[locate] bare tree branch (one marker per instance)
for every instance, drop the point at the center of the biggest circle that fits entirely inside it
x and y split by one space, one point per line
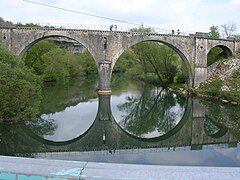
228 29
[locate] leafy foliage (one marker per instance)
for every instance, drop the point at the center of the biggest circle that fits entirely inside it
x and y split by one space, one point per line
216 53
142 29
20 89
87 62
27 25
227 114
213 88
53 63
214 32
33 57
152 62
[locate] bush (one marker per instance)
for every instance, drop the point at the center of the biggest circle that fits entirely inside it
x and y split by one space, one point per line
180 78
231 95
20 89
213 88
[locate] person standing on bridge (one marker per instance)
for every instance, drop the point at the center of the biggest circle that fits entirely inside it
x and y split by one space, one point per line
111 27
178 32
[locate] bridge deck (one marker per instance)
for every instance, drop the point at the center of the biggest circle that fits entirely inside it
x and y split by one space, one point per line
12 168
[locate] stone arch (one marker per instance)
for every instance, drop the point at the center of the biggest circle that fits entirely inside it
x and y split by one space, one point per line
170 45
42 36
227 50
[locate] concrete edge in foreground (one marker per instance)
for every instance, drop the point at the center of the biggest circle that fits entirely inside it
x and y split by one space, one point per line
12 168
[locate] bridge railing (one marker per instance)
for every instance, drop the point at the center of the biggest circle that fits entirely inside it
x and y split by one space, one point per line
104 27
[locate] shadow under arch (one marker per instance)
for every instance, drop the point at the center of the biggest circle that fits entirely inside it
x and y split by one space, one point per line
185 118
177 50
221 132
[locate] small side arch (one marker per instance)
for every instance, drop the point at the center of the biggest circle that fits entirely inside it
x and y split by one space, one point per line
218 52
227 50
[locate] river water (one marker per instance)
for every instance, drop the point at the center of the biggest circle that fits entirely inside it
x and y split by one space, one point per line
138 123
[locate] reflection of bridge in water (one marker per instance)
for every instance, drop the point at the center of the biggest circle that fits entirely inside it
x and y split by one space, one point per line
106 134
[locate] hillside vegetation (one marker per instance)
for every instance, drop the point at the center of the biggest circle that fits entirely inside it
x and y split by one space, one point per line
223 81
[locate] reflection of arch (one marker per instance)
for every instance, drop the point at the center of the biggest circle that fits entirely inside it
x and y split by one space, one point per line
114 125
171 45
221 132
173 131
58 143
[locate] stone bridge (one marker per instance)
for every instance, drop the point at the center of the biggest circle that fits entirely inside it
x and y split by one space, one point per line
107 46
106 134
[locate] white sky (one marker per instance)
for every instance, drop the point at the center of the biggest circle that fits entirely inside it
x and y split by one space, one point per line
186 15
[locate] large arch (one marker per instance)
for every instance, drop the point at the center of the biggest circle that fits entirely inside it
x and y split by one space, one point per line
178 50
41 36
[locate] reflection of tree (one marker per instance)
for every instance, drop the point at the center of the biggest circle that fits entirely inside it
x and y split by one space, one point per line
57 97
17 138
43 127
152 111
225 114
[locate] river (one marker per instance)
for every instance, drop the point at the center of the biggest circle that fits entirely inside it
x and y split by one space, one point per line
138 123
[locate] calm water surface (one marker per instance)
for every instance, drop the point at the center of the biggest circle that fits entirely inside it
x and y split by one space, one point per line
138 123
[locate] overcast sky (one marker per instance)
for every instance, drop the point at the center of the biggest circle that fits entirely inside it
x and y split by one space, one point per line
186 15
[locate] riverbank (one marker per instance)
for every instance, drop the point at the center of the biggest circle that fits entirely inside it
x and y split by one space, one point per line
223 83
232 97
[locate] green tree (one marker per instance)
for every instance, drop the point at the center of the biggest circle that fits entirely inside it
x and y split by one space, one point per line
142 29
33 58
157 59
5 23
20 92
1 20
216 53
55 65
27 25
74 64
126 62
87 62
214 32
152 62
